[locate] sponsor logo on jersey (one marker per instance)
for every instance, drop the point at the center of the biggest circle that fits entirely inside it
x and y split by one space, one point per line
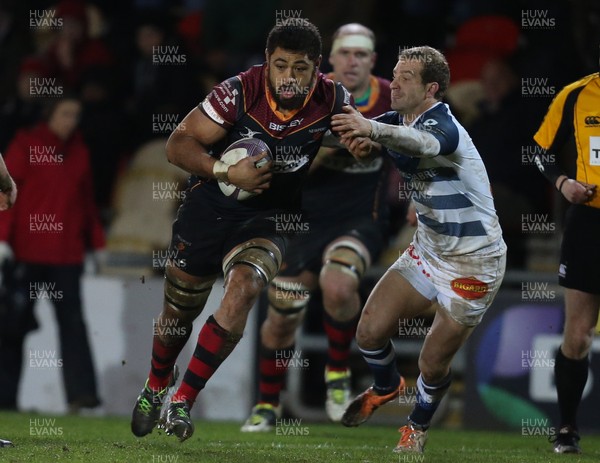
562 270
249 134
469 288
592 121
211 112
225 96
284 164
280 127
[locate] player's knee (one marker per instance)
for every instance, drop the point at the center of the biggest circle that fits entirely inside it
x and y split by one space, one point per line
339 289
344 257
185 298
279 328
367 337
578 343
242 287
287 303
260 255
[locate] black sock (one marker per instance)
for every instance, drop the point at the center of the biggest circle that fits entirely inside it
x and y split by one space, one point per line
429 397
570 376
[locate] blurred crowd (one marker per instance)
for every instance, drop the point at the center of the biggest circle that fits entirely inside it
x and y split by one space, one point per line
138 66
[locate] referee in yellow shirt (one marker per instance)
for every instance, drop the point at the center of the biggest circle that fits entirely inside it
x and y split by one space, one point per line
572 127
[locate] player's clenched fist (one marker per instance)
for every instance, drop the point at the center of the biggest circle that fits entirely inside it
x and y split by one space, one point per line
246 175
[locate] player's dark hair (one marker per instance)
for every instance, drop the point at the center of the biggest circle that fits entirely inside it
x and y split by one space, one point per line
435 66
303 38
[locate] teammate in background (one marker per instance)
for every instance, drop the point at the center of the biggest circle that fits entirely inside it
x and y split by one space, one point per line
344 237
8 196
572 121
457 259
286 103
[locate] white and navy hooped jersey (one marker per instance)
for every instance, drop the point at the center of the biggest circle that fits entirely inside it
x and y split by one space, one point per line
451 190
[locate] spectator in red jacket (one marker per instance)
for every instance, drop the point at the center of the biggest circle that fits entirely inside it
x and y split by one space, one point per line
47 232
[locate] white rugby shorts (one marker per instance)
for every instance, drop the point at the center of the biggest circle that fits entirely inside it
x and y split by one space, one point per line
465 285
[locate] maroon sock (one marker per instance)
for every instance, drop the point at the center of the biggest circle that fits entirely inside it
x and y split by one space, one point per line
214 346
272 373
163 361
339 337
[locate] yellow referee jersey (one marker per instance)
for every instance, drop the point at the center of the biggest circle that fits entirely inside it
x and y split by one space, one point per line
574 116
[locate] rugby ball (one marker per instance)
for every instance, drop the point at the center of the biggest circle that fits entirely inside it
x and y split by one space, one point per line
237 151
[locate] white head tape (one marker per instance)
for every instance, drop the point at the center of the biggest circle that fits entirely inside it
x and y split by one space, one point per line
353 41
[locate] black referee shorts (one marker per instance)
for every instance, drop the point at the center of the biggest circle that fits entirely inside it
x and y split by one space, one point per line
580 251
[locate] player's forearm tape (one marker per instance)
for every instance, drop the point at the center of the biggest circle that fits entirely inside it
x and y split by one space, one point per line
220 171
407 140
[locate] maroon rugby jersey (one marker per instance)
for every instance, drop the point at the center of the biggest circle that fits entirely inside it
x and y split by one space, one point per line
243 105
342 188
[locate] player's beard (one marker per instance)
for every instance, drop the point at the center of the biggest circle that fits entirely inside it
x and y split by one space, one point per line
296 101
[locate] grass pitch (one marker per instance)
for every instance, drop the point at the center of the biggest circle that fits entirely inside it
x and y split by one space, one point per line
45 439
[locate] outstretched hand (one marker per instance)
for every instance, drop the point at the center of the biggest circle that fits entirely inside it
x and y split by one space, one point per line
359 147
350 124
